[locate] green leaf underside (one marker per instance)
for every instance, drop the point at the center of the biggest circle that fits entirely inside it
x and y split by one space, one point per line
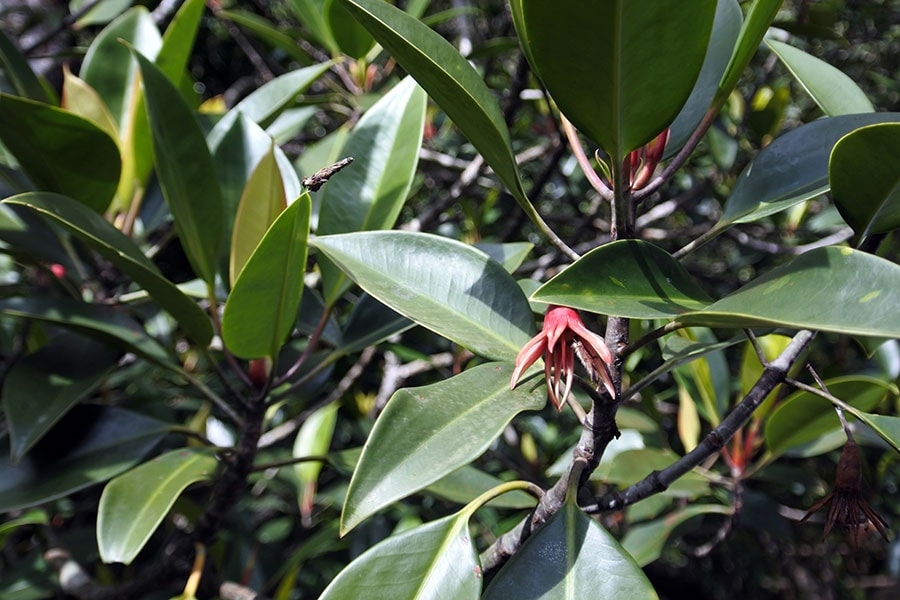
262 307
865 178
97 442
49 144
134 504
432 561
448 78
120 250
645 541
480 307
416 440
570 557
803 418
826 289
832 90
102 321
609 76
791 169
628 278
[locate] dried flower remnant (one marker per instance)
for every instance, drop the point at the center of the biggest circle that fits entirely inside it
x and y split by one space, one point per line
846 505
562 338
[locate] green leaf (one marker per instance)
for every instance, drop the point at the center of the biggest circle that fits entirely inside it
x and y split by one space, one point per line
571 556
865 181
370 192
759 17
32 517
262 307
186 172
311 13
261 203
60 374
121 251
351 37
725 30
450 80
468 483
620 70
49 143
97 320
791 169
628 278
510 255
630 466
103 11
416 440
887 428
178 40
265 103
81 99
370 323
134 504
90 445
480 307
802 418
313 439
435 560
268 32
826 289
834 92
18 72
645 541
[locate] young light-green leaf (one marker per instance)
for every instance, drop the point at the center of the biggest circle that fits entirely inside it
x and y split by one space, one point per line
480 307
759 17
645 541
417 439
262 307
826 289
134 504
628 278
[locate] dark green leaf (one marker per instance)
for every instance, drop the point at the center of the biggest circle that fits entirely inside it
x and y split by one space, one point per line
628 278
49 144
645 541
370 323
134 504
571 556
16 69
467 483
311 13
480 307
90 445
416 440
826 289
865 178
604 64
268 32
757 22
351 37
120 250
178 40
186 171
262 307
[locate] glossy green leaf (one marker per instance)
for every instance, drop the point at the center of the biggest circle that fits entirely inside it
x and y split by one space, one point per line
645 541
571 556
834 92
369 193
262 307
370 323
435 560
97 320
60 374
450 80
887 427
628 278
608 72
261 203
134 504
265 103
311 14
121 251
178 40
351 37
109 68
313 439
791 169
32 517
101 12
186 172
416 440
756 23
826 289
480 307
630 466
803 418
467 483
89 446
726 27
49 145
510 255
865 180
19 73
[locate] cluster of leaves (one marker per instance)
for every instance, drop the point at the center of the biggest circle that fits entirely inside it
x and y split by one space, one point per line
191 327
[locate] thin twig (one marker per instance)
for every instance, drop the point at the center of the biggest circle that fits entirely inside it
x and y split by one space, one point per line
584 162
837 407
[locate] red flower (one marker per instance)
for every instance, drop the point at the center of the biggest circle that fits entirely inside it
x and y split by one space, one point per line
562 338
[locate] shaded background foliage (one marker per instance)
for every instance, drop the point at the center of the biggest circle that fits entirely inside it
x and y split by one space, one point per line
762 554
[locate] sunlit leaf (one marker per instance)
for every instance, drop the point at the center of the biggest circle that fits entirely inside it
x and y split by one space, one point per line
756 23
